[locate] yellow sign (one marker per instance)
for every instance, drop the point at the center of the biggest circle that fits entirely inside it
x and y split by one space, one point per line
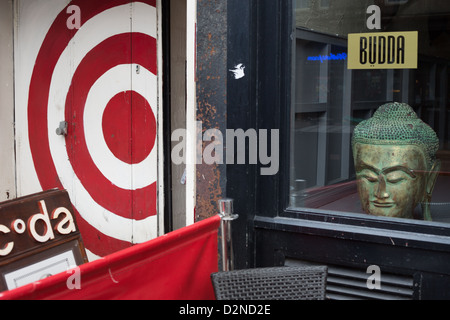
383 50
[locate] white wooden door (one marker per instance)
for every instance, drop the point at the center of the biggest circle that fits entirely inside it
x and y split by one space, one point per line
92 65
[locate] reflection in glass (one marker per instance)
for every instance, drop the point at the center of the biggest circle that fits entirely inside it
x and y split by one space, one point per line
329 101
395 161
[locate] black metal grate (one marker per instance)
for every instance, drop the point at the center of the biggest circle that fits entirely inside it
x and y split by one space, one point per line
279 283
351 284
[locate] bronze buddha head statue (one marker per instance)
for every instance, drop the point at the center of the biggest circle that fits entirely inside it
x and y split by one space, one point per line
395 161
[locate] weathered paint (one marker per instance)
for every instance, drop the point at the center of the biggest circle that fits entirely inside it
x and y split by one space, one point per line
212 98
191 109
75 75
7 152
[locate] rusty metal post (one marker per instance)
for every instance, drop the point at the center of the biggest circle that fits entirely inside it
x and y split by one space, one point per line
227 215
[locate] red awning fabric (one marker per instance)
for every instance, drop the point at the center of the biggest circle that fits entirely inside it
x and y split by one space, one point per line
176 266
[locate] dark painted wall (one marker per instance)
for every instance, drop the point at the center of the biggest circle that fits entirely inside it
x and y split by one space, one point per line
211 98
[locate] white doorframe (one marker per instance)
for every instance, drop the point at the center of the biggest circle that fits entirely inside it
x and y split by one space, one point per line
7 148
191 114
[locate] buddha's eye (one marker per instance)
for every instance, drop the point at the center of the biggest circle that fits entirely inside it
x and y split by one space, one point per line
395 181
368 176
396 177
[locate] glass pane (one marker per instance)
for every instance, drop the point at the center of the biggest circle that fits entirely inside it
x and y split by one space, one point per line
399 162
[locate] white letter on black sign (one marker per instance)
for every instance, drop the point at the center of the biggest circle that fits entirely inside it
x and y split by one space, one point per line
66 225
43 217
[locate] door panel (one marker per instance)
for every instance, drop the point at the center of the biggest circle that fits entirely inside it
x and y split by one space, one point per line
101 77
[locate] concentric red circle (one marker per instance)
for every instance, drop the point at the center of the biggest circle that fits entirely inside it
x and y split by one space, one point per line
136 204
130 204
129 127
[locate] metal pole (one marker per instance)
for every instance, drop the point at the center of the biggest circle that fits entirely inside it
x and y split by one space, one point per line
298 195
226 213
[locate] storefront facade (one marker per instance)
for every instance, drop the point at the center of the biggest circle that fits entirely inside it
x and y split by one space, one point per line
254 100
302 84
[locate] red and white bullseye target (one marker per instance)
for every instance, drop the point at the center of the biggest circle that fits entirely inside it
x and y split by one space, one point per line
102 80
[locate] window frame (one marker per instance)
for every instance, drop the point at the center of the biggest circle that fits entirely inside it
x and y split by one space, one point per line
262 201
343 218
269 233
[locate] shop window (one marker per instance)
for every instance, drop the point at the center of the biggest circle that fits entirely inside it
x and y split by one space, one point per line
325 3
331 100
303 4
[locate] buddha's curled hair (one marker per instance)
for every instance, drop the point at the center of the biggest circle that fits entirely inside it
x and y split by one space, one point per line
397 124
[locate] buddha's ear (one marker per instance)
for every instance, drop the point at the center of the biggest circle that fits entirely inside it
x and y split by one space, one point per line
432 176
431 181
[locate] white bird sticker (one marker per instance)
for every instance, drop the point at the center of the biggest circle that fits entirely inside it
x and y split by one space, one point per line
238 71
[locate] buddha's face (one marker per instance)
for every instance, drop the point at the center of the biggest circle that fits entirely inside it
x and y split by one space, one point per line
391 179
